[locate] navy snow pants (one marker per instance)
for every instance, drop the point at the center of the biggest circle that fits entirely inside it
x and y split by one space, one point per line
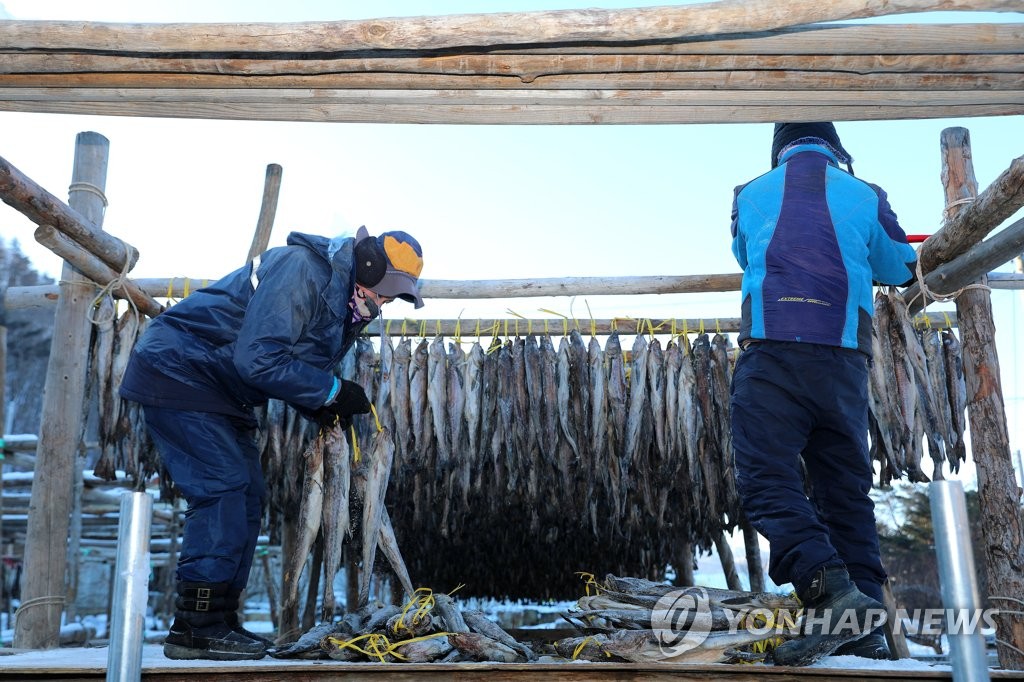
213 460
792 399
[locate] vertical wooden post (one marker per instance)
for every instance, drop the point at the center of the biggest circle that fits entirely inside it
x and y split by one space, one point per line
268 209
732 578
43 589
1002 526
755 569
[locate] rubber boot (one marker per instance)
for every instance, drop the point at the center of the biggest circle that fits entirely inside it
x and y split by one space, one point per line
871 645
835 612
231 618
199 630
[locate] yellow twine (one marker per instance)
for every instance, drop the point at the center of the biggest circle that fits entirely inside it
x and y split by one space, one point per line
425 604
583 643
457 588
376 418
356 455
949 322
589 580
374 642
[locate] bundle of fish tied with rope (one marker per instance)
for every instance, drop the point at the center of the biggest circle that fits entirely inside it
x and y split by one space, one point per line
429 627
631 619
917 394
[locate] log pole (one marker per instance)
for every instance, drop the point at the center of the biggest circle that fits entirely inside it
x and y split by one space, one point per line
458 30
43 592
755 568
732 578
978 260
1002 526
268 209
94 268
35 203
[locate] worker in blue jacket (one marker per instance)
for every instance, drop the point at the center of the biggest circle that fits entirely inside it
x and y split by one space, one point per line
811 239
275 328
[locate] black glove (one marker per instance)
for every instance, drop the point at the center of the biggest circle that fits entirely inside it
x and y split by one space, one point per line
351 399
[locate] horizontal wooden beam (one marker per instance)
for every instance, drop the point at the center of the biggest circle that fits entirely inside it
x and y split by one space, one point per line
553 98
586 113
75 86
820 38
506 28
525 67
46 295
469 329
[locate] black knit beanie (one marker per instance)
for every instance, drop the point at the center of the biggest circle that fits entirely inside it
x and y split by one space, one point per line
787 133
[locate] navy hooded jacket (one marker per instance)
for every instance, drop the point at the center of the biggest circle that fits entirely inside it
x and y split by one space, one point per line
230 346
810 238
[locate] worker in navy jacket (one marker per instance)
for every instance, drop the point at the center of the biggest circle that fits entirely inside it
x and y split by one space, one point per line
275 328
811 239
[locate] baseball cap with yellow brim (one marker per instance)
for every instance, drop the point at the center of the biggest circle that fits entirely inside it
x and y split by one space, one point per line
403 263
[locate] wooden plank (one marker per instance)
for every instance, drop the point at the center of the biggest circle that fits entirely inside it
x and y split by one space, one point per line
323 98
522 114
823 38
58 86
526 67
504 28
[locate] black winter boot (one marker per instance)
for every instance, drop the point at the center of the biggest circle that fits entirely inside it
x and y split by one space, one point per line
199 630
835 612
871 645
231 618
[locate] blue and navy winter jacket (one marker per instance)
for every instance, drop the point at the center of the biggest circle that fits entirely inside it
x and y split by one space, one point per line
810 238
231 346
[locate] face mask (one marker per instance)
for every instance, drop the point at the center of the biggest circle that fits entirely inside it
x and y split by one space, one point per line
366 308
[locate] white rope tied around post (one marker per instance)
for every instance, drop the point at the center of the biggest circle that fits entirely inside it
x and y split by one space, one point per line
108 290
40 601
89 187
925 293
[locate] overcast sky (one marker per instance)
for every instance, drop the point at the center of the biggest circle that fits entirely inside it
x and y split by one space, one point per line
486 202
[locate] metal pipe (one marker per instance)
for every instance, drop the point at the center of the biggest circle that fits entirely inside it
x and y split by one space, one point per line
958 579
131 589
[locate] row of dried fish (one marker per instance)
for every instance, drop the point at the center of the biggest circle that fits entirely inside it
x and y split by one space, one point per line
638 620
620 461
917 395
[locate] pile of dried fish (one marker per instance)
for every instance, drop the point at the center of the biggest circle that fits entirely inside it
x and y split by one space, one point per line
917 395
429 628
642 621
